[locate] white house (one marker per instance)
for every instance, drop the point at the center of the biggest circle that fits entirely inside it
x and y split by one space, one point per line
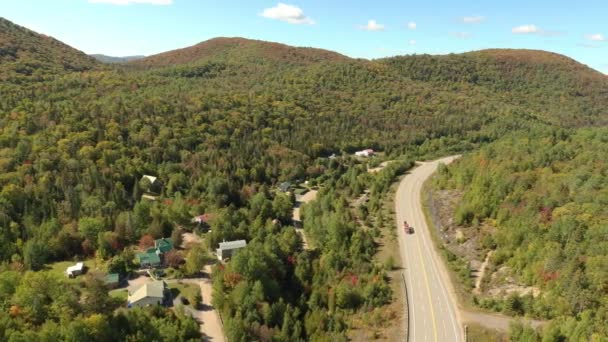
152 179
152 293
365 153
75 270
227 248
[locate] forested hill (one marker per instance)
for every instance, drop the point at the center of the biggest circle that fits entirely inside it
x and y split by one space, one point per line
539 201
240 49
27 55
111 59
550 86
219 125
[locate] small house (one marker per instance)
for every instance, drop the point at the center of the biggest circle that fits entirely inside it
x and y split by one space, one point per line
227 249
163 245
148 259
152 293
285 186
150 179
202 219
365 153
154 186
75 270
111 280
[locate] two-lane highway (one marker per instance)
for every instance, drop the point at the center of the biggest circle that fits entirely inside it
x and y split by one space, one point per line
433 312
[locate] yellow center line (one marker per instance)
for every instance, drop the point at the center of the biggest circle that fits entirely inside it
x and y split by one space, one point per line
428 290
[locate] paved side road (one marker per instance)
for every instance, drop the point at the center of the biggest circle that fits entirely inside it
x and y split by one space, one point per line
433 310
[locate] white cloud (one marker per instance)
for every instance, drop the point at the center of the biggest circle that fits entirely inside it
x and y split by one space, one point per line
412 42
128 2
533 29
476 19
411 25
526 29
287 13
461 35
372 25
597 37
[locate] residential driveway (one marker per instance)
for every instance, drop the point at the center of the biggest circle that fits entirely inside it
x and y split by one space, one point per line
189 240
307 197
379 167
211 326
208 318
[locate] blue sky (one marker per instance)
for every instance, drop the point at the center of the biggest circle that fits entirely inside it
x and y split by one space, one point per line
357 28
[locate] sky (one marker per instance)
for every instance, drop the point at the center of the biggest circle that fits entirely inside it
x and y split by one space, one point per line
356 28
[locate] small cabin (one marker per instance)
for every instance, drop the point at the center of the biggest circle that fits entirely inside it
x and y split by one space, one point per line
75 270
154 186
285 186
365 153
227 249
111 280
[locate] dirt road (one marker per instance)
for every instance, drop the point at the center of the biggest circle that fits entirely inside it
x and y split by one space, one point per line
211 326
307 197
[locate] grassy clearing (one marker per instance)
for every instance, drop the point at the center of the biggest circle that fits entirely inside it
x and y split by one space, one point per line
477 333
120 294
186 290
58 269
300 191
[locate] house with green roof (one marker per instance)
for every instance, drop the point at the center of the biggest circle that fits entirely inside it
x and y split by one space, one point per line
111 280
148 259
152 256
163 245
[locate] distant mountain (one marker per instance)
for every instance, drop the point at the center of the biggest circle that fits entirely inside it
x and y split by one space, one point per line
25 54
110 59
550 86
241 49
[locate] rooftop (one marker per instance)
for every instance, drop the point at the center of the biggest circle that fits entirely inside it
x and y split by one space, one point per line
149 258
164 245
78 267
232 244
152 179
202 218
111 278
154 289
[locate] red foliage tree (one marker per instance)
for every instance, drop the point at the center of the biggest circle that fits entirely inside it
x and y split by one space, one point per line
146 242
173 258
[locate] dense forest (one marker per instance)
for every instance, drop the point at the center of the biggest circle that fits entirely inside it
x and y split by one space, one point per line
220 124
545 193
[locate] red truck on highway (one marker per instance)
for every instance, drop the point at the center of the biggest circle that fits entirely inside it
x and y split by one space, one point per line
407 228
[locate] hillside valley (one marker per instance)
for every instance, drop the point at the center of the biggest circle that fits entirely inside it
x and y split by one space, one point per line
223 123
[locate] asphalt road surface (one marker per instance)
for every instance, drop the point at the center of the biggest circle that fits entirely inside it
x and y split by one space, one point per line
433 312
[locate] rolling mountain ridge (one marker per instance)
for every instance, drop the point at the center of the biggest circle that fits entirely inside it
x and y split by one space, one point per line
26 55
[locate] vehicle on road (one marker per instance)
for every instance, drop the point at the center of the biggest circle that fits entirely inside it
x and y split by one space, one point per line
407 228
